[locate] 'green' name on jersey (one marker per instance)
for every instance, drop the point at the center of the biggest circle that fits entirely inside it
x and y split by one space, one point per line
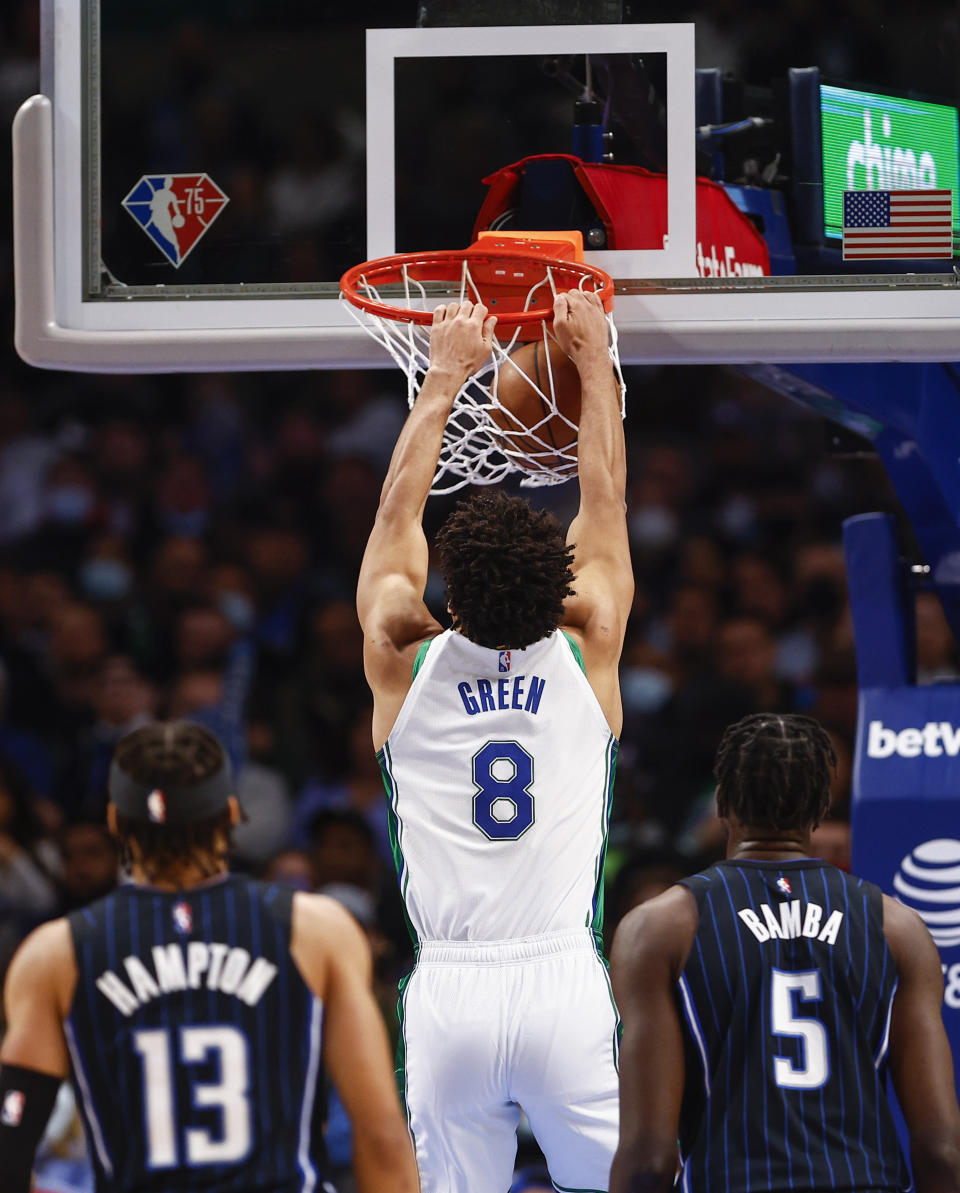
487 695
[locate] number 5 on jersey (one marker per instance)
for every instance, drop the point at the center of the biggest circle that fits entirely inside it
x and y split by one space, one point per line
502 805
815 1069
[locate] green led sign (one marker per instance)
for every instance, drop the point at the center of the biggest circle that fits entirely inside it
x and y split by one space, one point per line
879 142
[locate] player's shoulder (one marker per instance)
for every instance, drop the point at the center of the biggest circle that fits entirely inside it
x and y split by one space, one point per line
44 960
907 936
915 956
663 926
325 940
857 888
675 907
703 885
47 944
323 920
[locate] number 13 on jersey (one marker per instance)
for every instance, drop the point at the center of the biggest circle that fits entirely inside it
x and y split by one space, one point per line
228 1095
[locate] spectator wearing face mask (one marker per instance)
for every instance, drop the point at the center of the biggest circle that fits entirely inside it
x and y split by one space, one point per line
106 575
230 588
71 512
183 497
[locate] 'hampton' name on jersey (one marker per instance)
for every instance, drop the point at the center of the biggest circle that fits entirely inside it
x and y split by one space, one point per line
179 967
517 692
791 923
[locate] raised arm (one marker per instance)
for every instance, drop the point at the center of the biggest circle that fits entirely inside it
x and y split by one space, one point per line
603 574
393 574
334 958
920 1061
649 951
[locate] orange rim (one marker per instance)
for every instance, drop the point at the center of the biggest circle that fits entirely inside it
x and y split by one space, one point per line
504 274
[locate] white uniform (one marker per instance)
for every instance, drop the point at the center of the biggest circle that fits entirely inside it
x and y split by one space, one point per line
500 771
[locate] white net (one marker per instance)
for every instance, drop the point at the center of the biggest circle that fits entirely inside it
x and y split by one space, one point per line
486 439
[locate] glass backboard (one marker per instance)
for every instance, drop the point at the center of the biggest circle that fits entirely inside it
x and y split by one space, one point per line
196 177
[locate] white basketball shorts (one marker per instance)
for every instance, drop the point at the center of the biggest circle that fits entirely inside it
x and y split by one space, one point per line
488 1028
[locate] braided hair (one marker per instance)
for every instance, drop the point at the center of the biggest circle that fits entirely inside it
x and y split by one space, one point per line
507 570
173 754
773 771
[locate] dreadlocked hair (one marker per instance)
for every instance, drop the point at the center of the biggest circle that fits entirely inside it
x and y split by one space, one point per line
507 570
172 754
774 771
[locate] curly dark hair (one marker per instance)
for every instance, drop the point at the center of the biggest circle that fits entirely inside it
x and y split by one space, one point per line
773 771
172 754
507 569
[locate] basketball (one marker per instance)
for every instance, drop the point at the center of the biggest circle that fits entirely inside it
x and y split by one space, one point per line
524 392
178 221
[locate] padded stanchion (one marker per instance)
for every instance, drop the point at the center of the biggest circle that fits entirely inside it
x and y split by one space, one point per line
906 785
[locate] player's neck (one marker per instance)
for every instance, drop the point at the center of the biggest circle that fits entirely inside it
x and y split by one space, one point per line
180 878
746 843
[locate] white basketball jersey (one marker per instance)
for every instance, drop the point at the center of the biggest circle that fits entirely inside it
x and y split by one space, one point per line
499 771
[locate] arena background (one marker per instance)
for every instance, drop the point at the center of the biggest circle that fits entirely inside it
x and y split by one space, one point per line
189 545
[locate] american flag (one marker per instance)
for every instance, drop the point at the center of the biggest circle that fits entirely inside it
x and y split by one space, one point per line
889 224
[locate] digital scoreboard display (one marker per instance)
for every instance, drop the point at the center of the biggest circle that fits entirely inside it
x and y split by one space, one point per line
881 142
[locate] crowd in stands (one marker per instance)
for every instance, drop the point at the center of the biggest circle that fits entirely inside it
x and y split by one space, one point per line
188 547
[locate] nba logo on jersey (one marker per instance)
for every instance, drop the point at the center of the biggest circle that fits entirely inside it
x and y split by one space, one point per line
13 1105
157 807
175 210
504 660
783 886
183 919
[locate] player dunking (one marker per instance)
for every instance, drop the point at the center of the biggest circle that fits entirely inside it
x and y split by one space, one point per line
764 1000
497 740
190 1007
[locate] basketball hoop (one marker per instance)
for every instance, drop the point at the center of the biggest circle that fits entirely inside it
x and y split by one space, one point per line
517 277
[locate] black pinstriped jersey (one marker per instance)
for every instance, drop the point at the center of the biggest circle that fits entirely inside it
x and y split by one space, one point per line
786 999
195 1043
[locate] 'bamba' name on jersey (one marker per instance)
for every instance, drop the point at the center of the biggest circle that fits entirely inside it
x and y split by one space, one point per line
517 692
179 967
791 923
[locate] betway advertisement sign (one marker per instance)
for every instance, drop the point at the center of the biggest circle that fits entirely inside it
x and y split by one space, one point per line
906 814
879 142
908 744
934 740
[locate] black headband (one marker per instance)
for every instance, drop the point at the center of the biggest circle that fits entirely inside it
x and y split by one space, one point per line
167 803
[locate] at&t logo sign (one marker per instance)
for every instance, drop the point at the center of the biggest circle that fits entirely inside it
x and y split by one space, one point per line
929 881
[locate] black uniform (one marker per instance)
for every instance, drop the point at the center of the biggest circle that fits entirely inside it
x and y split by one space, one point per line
195 1043
786 999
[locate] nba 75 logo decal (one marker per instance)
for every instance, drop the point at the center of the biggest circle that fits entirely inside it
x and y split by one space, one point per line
175 210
